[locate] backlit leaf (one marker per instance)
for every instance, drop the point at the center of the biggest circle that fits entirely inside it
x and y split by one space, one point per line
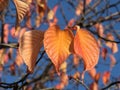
29 47
106 77
56 44
86 46
21 10
113 46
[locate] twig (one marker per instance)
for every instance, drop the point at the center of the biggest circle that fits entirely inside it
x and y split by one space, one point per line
111 84
12 85
9 45
80 82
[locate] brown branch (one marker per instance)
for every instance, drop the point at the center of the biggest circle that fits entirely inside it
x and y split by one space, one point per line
38 78
105 39
80 82
100 20
12 85
111 84
9 45
104 9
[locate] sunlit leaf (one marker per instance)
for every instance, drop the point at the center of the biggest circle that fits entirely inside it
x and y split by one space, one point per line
92 72
76 75
19 60
29 47
21 10
100 29
106 77
63 81
86 46
112 45
56 44
63 67
76 60
94 86
80 7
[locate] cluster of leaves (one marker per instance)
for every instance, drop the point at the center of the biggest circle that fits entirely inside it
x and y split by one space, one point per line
58 43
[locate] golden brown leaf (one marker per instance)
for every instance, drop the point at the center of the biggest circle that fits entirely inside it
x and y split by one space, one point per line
19 60
100 29
3 4
106 77
113 60
86 46
29 47
113 46
92 73
56 44
104 53
21 10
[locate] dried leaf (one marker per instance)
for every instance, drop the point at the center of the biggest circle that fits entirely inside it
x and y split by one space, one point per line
100 29
94 86
92 73
6 33
76 60
19 60
84 44
113 60
80 7
104 53
56 44
3 4
63 67
97 77
106 77
76 75
29 46
21 10
113 46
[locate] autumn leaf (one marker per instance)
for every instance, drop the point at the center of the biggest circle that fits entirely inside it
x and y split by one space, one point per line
3 4
29 46
112 45
86 46
106 77
21 10
19 60
100 29
56 44
104 53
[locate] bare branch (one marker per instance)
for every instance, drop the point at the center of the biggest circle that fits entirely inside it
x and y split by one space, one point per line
111 84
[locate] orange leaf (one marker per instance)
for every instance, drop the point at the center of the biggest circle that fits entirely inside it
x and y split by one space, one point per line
106 77
56 44
29 46
92 72
86 46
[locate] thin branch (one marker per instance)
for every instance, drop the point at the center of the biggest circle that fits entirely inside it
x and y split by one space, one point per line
111 84
80 82
12 85
105 39
38 78
100 20
9 45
